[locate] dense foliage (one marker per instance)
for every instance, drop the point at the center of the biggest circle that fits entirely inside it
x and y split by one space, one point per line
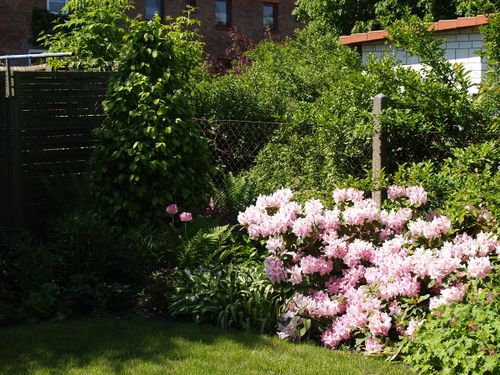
43 23
150 151
83 267
460 338
361 276
464 186
324 95
351 16
231 296
94 31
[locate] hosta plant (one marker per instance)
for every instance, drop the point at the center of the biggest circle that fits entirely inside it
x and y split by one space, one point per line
364 277
234 295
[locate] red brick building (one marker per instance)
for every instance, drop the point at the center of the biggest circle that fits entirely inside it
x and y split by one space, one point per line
251 17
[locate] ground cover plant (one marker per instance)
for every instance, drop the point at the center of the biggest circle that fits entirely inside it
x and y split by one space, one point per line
106 346
366 278
460 338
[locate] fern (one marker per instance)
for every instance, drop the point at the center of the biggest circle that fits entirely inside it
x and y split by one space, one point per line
235 194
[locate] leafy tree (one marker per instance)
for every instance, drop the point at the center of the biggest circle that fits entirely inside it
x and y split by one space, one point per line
43 23
94 31
323 92
490 90
150 152
347 16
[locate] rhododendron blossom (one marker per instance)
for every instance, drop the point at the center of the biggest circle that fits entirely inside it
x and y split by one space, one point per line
479 267
356 269
413 326
416 195
396 192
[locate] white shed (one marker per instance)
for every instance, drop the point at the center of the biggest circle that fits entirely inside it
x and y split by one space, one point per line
462 40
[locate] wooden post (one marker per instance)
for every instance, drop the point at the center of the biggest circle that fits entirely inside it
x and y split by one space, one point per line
379 148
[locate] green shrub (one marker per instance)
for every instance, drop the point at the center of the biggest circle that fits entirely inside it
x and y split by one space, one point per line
26 278
461 338
85 243
150 152
94 31
235 295
465 185
43 22
324 93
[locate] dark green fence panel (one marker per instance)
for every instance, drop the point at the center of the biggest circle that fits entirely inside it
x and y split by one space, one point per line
4 193
50 120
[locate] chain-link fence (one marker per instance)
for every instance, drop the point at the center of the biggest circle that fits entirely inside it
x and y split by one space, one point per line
432 145
235 145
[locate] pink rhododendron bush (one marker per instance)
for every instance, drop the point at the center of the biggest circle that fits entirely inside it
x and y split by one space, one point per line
361 276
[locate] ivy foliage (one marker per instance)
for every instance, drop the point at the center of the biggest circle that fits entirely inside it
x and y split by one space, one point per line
150 152
94 30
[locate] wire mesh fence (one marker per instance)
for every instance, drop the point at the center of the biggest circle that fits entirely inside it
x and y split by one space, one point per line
432 145
235 145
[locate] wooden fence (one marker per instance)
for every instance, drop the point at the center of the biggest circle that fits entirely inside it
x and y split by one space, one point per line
46 130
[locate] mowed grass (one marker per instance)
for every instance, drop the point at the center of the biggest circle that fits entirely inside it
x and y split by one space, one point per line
107 346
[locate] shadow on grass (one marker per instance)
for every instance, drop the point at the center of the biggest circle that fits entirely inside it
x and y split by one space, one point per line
112 344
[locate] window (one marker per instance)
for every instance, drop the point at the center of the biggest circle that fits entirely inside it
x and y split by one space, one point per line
270 13
223 12
55 6
153 7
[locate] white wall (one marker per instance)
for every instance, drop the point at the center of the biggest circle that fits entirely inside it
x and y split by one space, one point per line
460 47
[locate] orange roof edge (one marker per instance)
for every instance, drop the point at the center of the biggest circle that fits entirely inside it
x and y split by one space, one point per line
443 25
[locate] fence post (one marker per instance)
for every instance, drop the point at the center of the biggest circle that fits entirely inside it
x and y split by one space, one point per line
4 135
379 148
13 155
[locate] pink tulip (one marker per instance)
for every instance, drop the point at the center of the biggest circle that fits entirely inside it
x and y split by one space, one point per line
171 209
185 216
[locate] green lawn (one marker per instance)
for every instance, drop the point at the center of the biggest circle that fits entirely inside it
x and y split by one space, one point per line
106 346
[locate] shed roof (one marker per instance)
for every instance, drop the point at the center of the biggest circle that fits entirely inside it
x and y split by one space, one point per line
443 25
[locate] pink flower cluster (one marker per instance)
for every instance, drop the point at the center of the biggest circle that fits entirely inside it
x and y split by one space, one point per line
415 194
354 267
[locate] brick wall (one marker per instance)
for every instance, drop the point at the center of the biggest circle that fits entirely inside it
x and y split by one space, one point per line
15 22
15 25
460 45
246 17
